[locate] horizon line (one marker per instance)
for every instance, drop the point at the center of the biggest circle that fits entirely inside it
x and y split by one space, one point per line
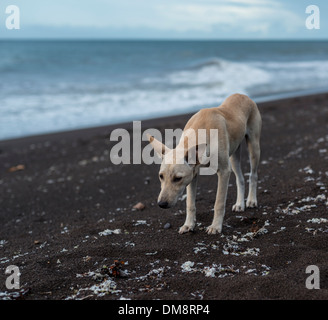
159 39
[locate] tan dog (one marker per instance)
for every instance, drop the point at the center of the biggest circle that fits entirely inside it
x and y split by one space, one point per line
237 118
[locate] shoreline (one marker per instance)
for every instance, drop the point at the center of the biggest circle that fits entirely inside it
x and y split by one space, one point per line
268 100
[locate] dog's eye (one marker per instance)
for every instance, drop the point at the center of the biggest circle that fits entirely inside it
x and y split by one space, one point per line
177 179
161 176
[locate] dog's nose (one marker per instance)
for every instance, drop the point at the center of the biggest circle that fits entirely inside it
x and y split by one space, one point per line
163 204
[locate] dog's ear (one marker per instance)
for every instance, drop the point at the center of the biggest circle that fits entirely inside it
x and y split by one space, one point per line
194 155
160 148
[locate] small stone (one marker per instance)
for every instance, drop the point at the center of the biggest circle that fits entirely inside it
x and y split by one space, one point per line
167 226
83 162
19 167
139 206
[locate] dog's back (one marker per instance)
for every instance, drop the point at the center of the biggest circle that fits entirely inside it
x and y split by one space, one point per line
239 107
238 114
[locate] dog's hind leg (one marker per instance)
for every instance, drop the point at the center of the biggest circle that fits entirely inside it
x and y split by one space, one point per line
240 181
253 143
191 207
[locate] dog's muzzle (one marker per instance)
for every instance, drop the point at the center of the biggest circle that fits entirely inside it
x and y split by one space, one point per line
163 204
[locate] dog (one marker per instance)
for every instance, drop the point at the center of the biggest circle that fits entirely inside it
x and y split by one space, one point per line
236 118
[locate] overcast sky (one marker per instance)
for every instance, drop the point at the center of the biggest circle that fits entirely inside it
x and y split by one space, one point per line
164 19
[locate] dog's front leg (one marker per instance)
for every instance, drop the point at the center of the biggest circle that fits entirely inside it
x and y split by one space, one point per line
221 196
191 207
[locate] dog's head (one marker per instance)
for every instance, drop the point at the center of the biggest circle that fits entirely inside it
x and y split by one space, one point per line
176 170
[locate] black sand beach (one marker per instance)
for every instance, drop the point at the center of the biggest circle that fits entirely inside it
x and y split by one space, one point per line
66 213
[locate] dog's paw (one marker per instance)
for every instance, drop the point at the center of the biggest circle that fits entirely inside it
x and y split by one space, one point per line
185 228
238 207
213 229
251 203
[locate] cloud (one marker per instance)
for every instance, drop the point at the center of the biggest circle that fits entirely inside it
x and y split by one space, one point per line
254 2
208 18
251 17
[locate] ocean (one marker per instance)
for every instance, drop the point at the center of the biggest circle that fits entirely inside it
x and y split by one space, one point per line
51 86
